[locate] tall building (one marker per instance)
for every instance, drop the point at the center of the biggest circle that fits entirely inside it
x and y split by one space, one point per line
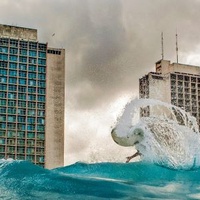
174 83
32 82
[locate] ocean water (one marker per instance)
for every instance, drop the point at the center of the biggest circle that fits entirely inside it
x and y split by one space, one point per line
139 180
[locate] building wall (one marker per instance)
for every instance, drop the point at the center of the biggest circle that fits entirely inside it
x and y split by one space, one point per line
18 32
55 108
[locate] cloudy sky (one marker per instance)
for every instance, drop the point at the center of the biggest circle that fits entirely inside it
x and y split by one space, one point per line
109 45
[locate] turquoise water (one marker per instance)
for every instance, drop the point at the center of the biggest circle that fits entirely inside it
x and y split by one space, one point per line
140 180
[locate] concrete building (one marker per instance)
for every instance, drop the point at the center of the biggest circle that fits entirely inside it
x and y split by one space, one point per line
32 82
174 83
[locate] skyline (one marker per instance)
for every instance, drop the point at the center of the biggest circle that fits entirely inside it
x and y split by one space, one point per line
109 46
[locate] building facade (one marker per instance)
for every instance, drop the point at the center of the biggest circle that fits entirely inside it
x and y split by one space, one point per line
31 79
174 83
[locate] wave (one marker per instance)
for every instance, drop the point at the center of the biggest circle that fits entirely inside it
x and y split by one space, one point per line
141 180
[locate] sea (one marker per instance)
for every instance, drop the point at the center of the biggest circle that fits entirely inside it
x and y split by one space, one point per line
138 180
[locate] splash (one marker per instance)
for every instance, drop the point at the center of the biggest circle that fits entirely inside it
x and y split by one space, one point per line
167 135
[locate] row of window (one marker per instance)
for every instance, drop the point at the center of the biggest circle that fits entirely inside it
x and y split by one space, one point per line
22 81
30 120
24 104
22 59
22 44
15 73
22 89
23 52
23 96
23 67
22 134
22 111
22 127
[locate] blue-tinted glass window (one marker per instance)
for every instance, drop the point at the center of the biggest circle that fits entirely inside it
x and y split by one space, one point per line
31 120
11 102
41 84
41 98
40 113
32 45
41 61
21 88
14 43
12 80
13 73
41 91
22 66
2 102
3 94
32 75
32 82
3 72
31 97
30 127
23 44
40 120
23 52
22 74
23 59
21 104
31 89
22 96
40 128
11 110
13 51
4 49
3 80
21 111
42 47
41 105
2 110
3 64
3 87
12 65
12 87
41 69
13 58
31 105
21 127
42 54
32 68
32 53
2 118
41 76
31 112
12 95
3 57
30 135
3 126
21 119
11 118
22 81
32 60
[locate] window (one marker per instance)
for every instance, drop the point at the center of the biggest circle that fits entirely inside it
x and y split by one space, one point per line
12 80
11 134
40 128
40 120
31 112
11 125
3 87
21 150
3 49
41 98
11 118
22 96
11 95
30 142
2 141
2 102
30 127
22 74
12 87
13 73
23 59
41 76
41 113
41 91
31 75
3 94
22 81
2 133
32 53
32 82
11 110
41 61
41 69
31 89
23 52
22 66
3 64
21 134
41 83
40 136
42 47
14 43
30 150
31 120
31 104
31 97
21 119
32 45
42 54
11 103
21 88
21 142
13 51
3 57
32 60
3 79
30 135
12 65
32 68
21 104
23 44
13 58
41 105
3 72
21 127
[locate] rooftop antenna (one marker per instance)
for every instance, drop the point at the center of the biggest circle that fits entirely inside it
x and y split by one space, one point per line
176 47
162 46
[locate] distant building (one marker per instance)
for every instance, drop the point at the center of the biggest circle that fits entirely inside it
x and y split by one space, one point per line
175 83
32 82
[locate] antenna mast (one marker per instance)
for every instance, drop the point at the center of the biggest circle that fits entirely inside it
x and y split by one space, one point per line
162 46
176 47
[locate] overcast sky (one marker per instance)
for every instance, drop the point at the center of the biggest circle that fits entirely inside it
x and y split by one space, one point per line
109 45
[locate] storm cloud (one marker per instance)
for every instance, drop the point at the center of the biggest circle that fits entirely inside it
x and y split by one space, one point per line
109 45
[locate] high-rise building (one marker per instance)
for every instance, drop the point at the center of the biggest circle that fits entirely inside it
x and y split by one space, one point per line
32 82
174 83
